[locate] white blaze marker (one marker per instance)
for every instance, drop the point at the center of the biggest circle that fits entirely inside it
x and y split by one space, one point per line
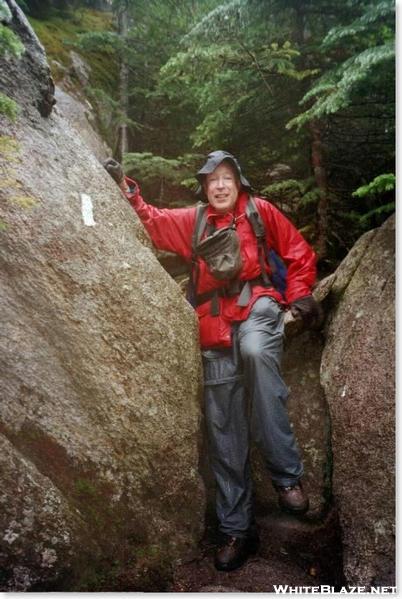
87 210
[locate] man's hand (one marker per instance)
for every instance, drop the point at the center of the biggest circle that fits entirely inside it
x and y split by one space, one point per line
308 310
114 169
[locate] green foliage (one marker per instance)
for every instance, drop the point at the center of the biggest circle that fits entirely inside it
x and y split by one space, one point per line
304 191
373 55
373 14
336 89
222 22
107 110
43 9
289 187
190 183
223 79
9 147
381 184
155 31
61 34
90 34
53 34
104 41
23 5
10 44
379 212
8 107
85 488
153 168
236 74
239 74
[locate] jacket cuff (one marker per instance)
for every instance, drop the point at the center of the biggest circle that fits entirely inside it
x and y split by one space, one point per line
133 192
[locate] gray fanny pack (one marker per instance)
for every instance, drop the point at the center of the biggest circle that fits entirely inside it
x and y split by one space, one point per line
221 252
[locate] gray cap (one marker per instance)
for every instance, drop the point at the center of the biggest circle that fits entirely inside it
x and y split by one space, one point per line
214 159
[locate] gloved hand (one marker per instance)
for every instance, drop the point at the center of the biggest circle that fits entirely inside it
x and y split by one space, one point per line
114 169
308 310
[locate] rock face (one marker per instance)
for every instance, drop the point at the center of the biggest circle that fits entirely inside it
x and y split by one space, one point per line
74 106
357 373
27 80
99 416
79 114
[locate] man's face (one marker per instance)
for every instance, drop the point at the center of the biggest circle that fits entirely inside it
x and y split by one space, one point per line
221 188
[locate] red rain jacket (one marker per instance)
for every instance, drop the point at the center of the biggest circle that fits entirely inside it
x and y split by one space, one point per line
171 229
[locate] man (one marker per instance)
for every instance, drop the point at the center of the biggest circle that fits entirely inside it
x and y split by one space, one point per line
241 335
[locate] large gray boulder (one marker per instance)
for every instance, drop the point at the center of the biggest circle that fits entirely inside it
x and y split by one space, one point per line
99 416
358 376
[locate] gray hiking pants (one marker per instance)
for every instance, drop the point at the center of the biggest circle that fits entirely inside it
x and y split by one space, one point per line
244 394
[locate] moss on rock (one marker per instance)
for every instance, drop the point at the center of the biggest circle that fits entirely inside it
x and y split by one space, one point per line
59 35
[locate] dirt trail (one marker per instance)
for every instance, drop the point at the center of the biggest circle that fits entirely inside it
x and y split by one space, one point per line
293 551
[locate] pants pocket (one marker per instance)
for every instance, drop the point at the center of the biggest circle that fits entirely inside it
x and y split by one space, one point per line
266 315
267 307
219 367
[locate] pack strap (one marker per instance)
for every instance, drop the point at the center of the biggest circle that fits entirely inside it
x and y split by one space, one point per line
245 295
199 227
258 226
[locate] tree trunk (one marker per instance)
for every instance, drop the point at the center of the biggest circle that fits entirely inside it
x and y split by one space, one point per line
320 175
317 151
123 128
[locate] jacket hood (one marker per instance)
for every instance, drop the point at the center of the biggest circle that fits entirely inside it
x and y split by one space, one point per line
214 159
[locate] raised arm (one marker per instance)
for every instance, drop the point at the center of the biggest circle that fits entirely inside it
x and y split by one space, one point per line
169 228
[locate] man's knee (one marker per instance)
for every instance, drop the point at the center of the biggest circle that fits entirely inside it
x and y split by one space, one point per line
261 349
252 351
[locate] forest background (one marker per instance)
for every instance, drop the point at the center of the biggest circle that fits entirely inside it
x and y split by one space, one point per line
301 91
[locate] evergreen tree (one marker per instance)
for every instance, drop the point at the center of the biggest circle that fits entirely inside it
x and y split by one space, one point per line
244 70
299 90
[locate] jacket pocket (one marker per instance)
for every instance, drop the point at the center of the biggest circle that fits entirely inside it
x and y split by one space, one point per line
215 331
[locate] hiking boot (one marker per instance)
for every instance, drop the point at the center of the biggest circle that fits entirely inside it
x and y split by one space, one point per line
293 499
234 552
